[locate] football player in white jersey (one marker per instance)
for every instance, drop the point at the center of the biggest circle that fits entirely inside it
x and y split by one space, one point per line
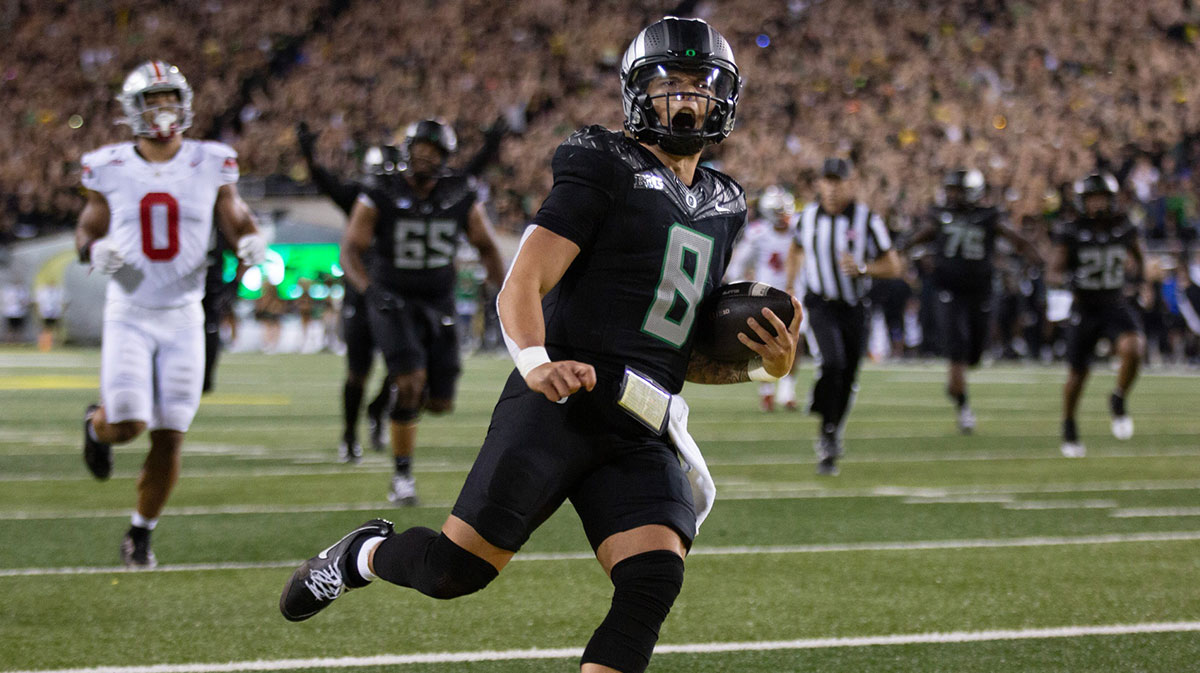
762 255
147 225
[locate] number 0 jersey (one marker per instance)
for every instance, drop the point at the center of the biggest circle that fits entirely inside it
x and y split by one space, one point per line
161 217
650 249
416 238
1096 253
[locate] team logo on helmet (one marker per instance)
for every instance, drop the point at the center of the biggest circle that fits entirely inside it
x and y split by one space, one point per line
167 120
666 48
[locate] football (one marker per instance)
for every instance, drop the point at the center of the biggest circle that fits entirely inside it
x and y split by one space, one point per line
723 314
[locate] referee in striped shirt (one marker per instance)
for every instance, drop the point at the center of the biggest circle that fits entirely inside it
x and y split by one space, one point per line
839 245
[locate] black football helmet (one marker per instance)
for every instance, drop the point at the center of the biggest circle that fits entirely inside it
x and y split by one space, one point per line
690 45
434 131
382 160
969 181
1096 183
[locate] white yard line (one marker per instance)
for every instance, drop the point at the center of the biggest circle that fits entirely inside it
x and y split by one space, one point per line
323 465
1037 505
662 649
739 491
750 550
1140 512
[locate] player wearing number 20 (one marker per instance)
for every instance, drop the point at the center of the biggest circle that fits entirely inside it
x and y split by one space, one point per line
147 224
1096 253
601 300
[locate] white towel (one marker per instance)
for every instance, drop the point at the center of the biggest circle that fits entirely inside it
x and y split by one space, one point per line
704 491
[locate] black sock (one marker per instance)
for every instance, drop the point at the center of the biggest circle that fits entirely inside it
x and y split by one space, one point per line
352 395
961 400
1117 403
1070 432
139 534
404 465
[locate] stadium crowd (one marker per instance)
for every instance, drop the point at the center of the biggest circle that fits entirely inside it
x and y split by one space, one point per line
1033 94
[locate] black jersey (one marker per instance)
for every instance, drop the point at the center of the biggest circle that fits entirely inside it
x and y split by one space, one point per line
965 243
416 238
1097 250
650 250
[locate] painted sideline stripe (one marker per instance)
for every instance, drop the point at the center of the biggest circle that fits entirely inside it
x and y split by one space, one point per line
662 649
923 545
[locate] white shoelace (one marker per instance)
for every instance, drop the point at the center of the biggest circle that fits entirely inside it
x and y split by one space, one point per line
325 584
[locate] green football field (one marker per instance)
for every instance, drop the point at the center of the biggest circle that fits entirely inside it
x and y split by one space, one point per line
932 552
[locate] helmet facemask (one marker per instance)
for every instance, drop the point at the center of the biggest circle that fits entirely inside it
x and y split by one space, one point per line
159 121
682 108
679 86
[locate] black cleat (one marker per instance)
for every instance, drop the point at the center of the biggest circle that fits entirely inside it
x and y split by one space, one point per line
829 449
135 550
375 430
827 467
96 454
322 578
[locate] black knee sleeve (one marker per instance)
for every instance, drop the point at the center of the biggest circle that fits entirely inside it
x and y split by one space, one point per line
404 414
429 562
644 588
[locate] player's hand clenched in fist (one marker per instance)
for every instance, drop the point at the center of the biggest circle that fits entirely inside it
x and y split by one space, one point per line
557 380
105 256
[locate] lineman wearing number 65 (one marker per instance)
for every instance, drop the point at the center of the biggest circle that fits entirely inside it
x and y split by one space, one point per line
598 310
147 224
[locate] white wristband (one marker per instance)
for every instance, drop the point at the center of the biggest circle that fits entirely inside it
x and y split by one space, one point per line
531 358
758 373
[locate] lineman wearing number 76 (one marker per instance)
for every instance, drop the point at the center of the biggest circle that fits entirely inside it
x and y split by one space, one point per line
147 224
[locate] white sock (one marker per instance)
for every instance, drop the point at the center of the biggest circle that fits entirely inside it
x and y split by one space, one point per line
140 521
765 389
786 389
364 553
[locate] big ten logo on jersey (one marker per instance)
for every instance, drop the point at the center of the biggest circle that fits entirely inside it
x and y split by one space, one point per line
159 216
425 243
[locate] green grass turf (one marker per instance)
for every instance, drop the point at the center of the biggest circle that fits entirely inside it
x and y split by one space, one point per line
267 438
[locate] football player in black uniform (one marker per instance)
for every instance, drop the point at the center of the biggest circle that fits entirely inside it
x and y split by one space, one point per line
411 223
1099 253
360 345
964 234
598 309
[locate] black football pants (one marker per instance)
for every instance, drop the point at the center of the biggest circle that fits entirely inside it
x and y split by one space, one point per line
839 330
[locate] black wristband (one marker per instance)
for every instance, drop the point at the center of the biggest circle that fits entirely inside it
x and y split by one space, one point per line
85 253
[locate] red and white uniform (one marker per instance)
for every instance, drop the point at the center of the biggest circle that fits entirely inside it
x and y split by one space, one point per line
766 249
152 352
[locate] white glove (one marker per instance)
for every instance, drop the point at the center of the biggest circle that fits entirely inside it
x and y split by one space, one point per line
105 256
252 249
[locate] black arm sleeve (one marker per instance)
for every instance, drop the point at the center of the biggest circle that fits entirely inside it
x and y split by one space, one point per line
343 194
